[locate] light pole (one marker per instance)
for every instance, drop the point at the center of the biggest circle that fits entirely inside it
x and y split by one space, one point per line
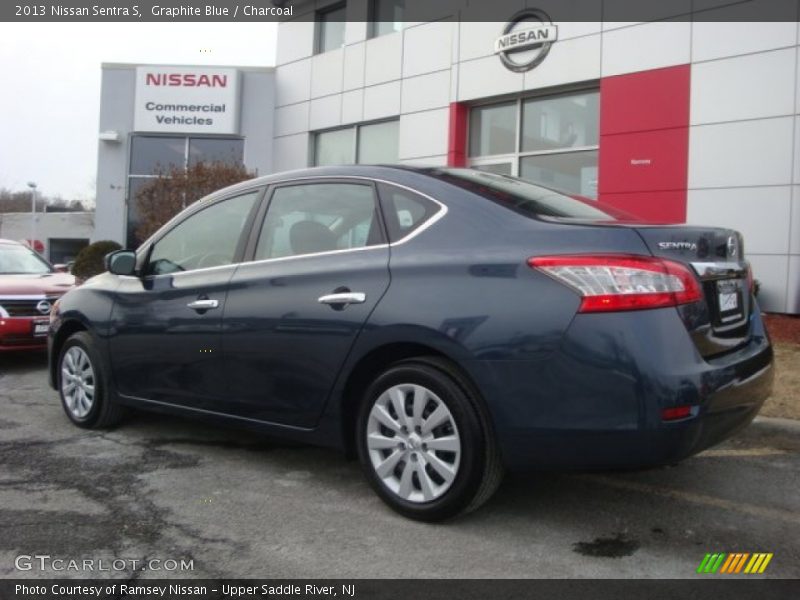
32 185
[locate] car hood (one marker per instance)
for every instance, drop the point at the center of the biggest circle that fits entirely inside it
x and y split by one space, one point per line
49 284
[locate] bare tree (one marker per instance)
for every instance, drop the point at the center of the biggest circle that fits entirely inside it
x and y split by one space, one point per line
21 202
176 188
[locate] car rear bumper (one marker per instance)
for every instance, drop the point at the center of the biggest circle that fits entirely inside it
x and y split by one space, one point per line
597 402
16 334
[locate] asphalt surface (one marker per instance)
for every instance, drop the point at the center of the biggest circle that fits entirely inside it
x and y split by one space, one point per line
238 505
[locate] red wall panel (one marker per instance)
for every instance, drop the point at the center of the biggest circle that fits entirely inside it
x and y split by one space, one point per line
644 161
647 100
457 135
644 142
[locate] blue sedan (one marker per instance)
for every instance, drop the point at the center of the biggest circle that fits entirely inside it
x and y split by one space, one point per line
442 325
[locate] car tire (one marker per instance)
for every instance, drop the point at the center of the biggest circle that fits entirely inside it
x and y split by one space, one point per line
81 385
447 444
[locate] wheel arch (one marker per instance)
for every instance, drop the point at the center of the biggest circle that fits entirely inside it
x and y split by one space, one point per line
379 359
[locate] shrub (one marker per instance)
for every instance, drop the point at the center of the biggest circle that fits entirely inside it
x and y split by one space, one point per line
89 261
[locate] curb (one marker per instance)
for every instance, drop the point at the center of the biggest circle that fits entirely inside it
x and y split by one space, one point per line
790 425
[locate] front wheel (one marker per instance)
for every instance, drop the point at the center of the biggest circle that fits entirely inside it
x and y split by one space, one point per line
424 442
81 385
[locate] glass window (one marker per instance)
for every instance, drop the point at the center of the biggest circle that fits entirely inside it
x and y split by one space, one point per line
493 129
334 147
526 198
387 16
318 217
209 150
378 143
151 154
558 140
499 168
208 238
19 260
135 184
574 172
330 28
405 211
560 122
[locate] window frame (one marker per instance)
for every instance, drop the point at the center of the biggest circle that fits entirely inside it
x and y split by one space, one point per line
130 175
356 128
145 250
260 217
515 158
372 29
318 25
186 138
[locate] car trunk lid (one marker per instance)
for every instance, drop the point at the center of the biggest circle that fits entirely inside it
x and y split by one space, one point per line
717 256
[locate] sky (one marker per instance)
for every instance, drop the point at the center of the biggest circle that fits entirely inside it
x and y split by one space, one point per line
50 99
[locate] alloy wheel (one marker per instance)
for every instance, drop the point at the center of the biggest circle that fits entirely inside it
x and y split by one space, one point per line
77 382
413 443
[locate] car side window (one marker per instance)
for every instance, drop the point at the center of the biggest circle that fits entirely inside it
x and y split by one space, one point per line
319 217
405 211
208 238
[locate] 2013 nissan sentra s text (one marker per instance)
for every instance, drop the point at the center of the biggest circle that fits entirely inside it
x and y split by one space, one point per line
442 324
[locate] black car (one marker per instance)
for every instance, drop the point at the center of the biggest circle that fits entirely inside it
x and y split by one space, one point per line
441 324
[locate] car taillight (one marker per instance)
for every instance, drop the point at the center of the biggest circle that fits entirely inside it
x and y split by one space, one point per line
676 413
751 282
616 282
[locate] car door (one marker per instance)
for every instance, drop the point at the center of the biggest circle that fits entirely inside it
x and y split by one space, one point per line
166 324
320 265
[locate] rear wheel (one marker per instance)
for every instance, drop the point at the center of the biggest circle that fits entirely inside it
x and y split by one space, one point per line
424 442
81 385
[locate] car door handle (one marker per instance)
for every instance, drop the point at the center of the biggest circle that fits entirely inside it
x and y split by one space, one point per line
203 304
343 298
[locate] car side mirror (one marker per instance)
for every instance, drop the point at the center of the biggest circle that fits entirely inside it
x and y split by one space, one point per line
121 262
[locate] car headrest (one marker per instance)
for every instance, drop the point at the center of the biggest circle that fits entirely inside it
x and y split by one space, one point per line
307 237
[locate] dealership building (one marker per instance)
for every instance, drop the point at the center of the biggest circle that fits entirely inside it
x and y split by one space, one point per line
154 117
676 121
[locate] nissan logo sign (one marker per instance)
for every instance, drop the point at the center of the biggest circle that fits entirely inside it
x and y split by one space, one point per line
526 40
44 307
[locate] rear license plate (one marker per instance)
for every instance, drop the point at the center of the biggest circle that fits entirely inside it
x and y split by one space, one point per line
40 328
729 300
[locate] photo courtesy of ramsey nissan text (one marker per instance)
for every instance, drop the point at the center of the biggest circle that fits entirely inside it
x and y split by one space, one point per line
398 298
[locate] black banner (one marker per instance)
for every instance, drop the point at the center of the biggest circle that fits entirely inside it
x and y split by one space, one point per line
729 588
415 10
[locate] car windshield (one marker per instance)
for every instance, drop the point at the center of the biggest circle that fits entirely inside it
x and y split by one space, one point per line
19 260
528 198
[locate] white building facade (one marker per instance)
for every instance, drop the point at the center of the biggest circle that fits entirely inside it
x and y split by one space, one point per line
674 121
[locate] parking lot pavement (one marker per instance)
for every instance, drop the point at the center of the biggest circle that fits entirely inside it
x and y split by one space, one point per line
238 505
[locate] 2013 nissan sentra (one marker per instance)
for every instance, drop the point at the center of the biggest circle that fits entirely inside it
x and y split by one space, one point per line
441 324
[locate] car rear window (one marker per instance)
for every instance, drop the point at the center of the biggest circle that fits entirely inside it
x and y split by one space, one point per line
527 198
404 210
